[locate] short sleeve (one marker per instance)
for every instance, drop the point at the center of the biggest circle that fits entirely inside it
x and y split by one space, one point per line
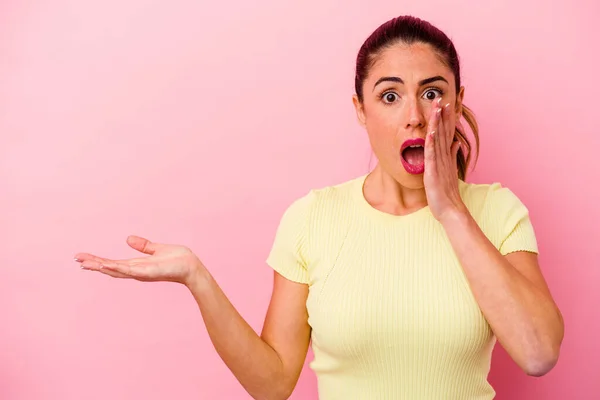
287 255
513 230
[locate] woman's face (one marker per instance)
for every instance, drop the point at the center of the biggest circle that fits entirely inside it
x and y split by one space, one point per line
398 96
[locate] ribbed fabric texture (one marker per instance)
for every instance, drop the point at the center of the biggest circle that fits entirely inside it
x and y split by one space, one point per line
391 311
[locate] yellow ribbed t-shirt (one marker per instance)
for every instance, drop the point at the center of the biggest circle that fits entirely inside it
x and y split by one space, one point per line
391 311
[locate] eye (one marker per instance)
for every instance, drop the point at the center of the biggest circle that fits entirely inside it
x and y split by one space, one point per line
431 94
389 97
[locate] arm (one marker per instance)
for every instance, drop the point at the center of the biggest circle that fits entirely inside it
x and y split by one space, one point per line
267 366
509 290
512 295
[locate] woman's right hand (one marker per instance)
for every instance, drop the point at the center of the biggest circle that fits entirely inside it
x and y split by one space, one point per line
166 262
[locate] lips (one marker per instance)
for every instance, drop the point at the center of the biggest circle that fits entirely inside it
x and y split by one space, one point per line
412 155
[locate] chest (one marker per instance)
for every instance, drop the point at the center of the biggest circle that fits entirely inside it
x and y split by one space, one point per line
392 290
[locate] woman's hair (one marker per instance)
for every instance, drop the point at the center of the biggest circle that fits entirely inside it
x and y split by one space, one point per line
409 30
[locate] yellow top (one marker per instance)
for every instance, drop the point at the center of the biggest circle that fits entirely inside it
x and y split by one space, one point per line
391 311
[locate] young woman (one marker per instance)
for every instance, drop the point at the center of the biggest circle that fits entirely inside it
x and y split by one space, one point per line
403 278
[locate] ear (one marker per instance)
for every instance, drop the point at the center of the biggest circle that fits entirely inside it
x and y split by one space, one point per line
459 102
360 110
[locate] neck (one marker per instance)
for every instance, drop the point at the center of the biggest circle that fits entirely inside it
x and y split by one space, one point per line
386 194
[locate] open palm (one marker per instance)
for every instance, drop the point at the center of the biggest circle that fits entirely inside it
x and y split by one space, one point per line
165 262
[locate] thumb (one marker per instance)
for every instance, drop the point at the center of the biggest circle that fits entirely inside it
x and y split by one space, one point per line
142 245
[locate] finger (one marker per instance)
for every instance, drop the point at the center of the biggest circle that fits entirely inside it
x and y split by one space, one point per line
107 268
91 265
441 128
430 146
446 116
99 267
440 133
82 257
430 152
433 117
141 244
136 271
114 274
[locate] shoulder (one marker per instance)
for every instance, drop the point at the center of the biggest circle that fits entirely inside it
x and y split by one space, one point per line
501 214
325 198
480 192
485 197
493 205
306 216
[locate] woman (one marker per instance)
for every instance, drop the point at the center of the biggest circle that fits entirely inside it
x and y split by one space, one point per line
403 278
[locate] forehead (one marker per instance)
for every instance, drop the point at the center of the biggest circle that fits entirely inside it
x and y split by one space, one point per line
412 63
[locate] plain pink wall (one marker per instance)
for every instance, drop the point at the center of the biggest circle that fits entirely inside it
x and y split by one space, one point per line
198 123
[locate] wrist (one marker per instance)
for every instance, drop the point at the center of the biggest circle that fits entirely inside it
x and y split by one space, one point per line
198 276
456 216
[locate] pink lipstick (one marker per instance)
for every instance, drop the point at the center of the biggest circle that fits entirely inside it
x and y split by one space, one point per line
412 155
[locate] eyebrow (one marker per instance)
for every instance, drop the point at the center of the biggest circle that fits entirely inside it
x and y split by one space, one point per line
398 80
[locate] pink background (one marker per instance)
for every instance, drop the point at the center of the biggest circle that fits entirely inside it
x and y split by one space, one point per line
196 123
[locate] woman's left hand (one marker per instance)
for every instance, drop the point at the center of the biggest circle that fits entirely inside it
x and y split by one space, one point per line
441 170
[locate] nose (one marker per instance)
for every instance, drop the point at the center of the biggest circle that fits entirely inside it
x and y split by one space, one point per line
415 118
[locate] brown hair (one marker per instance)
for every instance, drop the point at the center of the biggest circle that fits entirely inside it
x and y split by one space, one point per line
409 30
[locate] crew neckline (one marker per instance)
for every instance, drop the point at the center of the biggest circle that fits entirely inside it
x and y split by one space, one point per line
382 215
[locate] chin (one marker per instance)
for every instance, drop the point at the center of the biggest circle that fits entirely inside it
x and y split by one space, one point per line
396 171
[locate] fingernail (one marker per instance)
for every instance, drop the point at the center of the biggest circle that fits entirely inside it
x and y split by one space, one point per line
77 259
438 111
447 105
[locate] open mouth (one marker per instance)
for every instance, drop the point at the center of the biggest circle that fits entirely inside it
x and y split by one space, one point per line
412 155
